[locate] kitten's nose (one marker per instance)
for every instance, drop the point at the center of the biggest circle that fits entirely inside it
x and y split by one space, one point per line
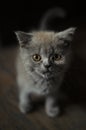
47 66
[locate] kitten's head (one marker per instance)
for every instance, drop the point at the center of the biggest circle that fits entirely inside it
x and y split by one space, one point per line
45 53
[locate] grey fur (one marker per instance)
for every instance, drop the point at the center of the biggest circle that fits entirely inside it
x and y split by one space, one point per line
44 77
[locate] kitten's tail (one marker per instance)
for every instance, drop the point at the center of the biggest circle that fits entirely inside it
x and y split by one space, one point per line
50 15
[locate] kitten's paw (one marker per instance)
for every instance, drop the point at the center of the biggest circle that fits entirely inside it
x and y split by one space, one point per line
53 112
25 108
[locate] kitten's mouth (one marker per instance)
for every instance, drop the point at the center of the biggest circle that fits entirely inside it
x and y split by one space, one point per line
47 75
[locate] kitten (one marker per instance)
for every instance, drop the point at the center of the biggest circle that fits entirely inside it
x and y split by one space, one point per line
42 61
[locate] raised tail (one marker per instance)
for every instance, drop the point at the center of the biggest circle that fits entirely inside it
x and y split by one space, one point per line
50 15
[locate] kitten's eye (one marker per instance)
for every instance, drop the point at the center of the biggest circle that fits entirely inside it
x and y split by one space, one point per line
57 57
36 57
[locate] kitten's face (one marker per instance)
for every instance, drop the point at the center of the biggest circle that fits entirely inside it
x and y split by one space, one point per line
45 54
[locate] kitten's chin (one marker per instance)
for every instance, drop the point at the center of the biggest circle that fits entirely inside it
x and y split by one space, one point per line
47 75
40 74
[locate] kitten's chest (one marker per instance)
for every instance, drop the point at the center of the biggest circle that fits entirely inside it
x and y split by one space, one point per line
41 87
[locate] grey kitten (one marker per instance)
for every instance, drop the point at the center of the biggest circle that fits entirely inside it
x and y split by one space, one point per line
42 60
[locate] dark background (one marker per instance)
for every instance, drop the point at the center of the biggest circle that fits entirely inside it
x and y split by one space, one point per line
24 16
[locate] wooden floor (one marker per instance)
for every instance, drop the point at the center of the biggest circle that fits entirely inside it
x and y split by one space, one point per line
73 118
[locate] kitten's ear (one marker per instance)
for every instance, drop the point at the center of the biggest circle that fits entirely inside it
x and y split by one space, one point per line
66 34
23 38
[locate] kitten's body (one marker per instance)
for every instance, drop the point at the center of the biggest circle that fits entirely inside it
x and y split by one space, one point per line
45 76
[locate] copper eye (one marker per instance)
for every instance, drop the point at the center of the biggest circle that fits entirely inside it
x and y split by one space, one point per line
57 57
36 57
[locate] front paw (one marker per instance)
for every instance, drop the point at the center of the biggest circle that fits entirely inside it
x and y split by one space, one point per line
53 111
25 108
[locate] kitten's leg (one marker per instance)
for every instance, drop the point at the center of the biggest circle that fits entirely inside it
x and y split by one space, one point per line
25 104
50 107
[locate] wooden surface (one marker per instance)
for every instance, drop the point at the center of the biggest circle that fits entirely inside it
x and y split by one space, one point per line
74 117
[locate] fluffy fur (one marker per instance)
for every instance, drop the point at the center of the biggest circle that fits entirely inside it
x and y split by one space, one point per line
43 77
